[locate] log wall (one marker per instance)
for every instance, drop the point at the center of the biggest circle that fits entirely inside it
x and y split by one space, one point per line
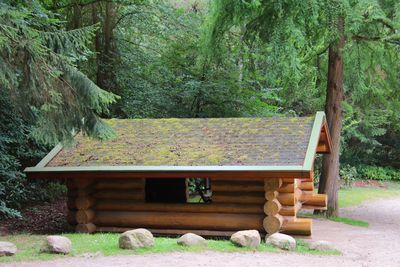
110 204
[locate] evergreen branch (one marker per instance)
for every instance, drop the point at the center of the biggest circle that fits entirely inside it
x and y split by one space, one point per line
393 39
80 4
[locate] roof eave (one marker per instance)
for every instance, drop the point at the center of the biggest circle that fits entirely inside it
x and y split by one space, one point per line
319 122
228 172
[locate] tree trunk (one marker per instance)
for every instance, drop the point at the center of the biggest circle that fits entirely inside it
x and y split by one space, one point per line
333 109
76 19
105 79
97 41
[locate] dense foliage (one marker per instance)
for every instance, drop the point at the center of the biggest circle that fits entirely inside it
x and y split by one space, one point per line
191 59
297 35
39 74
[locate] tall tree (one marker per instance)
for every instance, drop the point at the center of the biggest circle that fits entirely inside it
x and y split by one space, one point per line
379 21
333 109
299 31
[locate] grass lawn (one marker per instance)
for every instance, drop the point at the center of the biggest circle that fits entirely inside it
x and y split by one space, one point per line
344 220
357 195
107 244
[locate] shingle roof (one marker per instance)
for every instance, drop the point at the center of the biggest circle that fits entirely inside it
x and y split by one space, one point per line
275 141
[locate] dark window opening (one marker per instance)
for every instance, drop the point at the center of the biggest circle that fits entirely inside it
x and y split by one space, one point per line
166 190
178 190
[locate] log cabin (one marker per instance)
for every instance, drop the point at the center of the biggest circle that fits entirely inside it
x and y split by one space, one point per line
257 174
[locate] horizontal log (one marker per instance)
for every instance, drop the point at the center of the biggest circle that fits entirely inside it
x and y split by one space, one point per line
120 184
84 203
85 228
298 226
241 198
125 205
237 180
237 187
306 186
134 194
287 187
309 179
289 199
181 220
84 216
81 191
287 180
290 210
272 184
83 182
306 192
319 200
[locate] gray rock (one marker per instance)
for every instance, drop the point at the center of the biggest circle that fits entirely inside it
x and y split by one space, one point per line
321 245
57 244
7 249
281 241
138 238
191 239
247 238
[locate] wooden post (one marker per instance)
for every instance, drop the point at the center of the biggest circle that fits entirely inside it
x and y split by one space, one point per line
84 203
273 222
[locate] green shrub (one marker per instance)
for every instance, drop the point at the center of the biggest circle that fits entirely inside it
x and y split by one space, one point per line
371 172
348 175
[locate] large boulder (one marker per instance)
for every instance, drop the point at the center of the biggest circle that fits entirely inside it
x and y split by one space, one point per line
7 249
247 238
57 244
191 240
281 241
138 238
321 245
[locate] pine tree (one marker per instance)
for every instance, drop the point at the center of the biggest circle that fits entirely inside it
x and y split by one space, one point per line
38 63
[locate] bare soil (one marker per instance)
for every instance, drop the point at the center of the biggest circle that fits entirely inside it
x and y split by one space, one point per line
377 245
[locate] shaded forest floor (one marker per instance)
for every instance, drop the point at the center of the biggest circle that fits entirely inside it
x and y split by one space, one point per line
45 218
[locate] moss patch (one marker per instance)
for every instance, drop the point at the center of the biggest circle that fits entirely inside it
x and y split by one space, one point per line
194 142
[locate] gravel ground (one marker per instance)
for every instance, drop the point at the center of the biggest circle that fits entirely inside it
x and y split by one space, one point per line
378 245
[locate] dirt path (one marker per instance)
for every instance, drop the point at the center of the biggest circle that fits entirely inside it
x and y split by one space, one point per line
378 245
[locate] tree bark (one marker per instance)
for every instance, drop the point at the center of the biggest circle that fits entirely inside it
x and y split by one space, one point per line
76 19
97 41
105 79
333 109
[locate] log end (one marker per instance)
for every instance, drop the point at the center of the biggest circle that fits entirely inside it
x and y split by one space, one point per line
85 228
272 224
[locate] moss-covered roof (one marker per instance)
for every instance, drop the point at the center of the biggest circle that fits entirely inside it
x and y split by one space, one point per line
273 141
